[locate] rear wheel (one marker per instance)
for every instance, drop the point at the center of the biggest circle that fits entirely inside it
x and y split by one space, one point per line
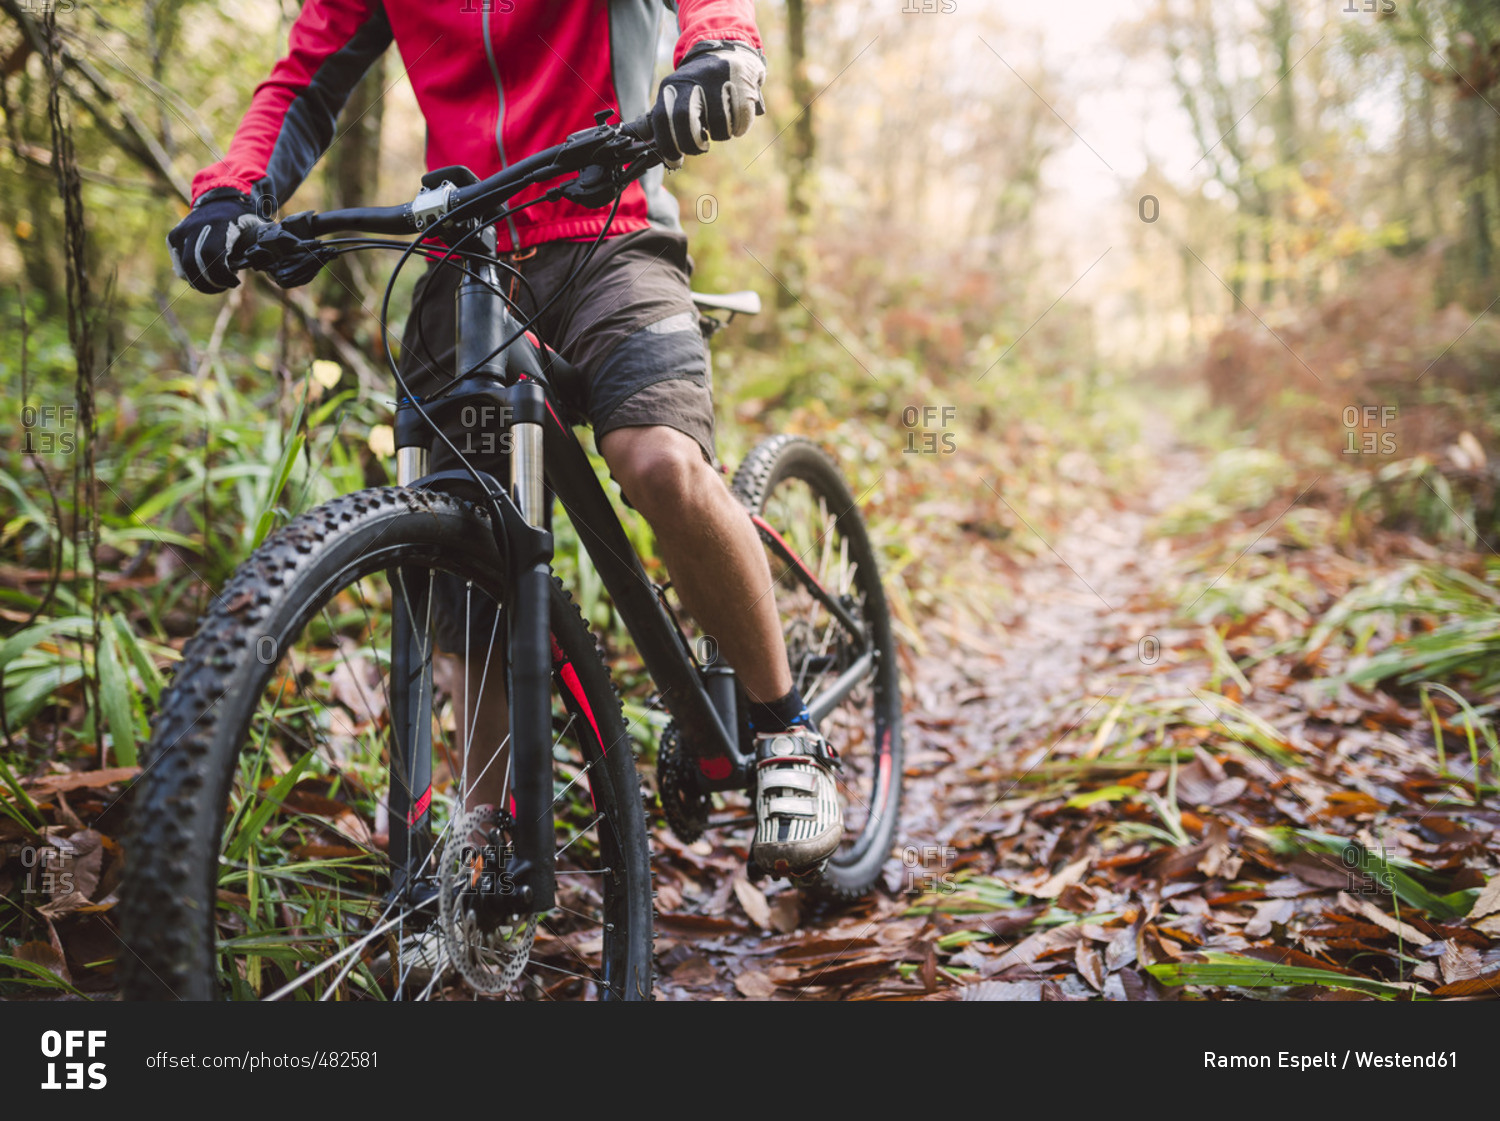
260 860
797 494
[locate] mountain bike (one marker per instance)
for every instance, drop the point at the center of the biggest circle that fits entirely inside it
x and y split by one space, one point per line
301 829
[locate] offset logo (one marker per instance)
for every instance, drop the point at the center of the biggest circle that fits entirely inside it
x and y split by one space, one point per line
76 1074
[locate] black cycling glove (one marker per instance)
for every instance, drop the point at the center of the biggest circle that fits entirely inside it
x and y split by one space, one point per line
203 243
713 95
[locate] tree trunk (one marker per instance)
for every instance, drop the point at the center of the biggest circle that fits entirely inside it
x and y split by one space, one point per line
351 176
1478 205
800 143
1284 123
1237 277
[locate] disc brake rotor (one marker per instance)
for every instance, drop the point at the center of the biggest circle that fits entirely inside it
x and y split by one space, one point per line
489 961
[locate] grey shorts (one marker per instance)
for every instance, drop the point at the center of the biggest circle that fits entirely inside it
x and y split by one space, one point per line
628 324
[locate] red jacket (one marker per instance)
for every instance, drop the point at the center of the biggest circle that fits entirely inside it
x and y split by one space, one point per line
495 79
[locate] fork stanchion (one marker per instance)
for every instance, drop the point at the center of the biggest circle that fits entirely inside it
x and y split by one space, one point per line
531 718
531 651
412 453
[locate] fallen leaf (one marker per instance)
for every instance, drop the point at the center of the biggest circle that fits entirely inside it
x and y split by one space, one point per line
1003 990
695 970
355 683
1459 963
1266 914
785 912
688 923
306 798
847 971
80 780
325 852
61 905
753 900
1348 803
1090 965
44 955
1488 902
1364 907
1045 941
1488 985
1121 950
1055 885
326 373
87 858
668 895
382 440
822 949
755 985
1078 898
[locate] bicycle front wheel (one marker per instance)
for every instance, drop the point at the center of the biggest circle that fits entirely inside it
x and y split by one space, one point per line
263 860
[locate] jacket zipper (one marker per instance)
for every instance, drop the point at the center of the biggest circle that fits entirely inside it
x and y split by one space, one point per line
489 53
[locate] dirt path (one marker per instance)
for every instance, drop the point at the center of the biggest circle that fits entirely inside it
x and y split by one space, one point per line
987 700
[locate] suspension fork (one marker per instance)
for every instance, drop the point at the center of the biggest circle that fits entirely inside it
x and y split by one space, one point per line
523 532
483 325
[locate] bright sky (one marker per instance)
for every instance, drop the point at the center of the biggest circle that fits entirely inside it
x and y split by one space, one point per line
1121 110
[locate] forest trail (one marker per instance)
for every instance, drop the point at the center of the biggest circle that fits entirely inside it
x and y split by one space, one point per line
1152 777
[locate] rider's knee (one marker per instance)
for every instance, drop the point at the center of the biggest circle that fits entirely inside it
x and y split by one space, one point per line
661 471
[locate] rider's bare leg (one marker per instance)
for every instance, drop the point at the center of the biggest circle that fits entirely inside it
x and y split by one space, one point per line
710 547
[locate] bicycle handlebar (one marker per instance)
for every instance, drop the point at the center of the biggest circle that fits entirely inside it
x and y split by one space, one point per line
616 153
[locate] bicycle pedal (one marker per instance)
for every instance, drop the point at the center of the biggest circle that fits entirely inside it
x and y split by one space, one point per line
755 873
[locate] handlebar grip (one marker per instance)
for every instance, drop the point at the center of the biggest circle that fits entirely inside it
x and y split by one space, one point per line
364 219
640 128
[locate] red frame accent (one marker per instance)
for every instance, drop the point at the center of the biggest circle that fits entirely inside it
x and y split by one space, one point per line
423 804
716 768
766 527
569 676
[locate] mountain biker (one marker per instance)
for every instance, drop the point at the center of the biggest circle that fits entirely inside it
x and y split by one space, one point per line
497 80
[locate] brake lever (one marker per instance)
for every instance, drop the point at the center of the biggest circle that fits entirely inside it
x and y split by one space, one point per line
594 187
287 258
583 148
624 159
300 223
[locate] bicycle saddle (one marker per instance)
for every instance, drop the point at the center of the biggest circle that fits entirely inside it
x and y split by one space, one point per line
741 303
